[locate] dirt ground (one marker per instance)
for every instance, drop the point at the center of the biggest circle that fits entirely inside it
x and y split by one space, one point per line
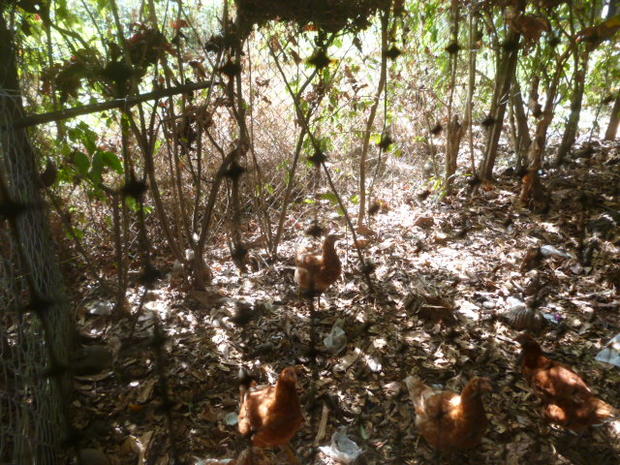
446 271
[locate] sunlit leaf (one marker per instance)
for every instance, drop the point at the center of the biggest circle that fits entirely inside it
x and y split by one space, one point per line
330 196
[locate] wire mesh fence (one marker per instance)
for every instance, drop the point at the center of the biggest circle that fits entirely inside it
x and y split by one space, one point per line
35 324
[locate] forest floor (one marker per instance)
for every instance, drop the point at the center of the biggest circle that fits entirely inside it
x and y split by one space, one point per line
445 273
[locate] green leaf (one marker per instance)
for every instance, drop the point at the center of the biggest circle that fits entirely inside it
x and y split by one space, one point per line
79 233
84 134
111 161
89 140
66 150
330 196
81 162
325 144
132 203
102 5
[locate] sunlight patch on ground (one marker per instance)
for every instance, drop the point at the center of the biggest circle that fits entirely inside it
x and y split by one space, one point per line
453 260
550 227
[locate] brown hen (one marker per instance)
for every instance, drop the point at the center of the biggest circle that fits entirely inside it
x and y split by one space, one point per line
567 399
446 420
317 270
271 415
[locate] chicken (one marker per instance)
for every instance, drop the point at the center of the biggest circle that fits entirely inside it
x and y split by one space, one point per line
449 421
567 399
317 270
271 415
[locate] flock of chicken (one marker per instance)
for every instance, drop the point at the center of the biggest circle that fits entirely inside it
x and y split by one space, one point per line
271 415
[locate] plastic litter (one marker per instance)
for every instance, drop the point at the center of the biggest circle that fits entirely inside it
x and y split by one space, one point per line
336 340
342 449
231 419
548 250
198 461
554 318
611 353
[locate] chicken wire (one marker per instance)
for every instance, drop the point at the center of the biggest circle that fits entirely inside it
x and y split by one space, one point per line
32 404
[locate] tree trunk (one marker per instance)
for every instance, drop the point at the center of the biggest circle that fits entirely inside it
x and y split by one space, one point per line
471 85
570 132
503 80
200 271
533 104
614 119
522 140
532 193
453 141
454 132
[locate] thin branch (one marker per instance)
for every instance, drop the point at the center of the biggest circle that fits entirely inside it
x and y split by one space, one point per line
126 102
